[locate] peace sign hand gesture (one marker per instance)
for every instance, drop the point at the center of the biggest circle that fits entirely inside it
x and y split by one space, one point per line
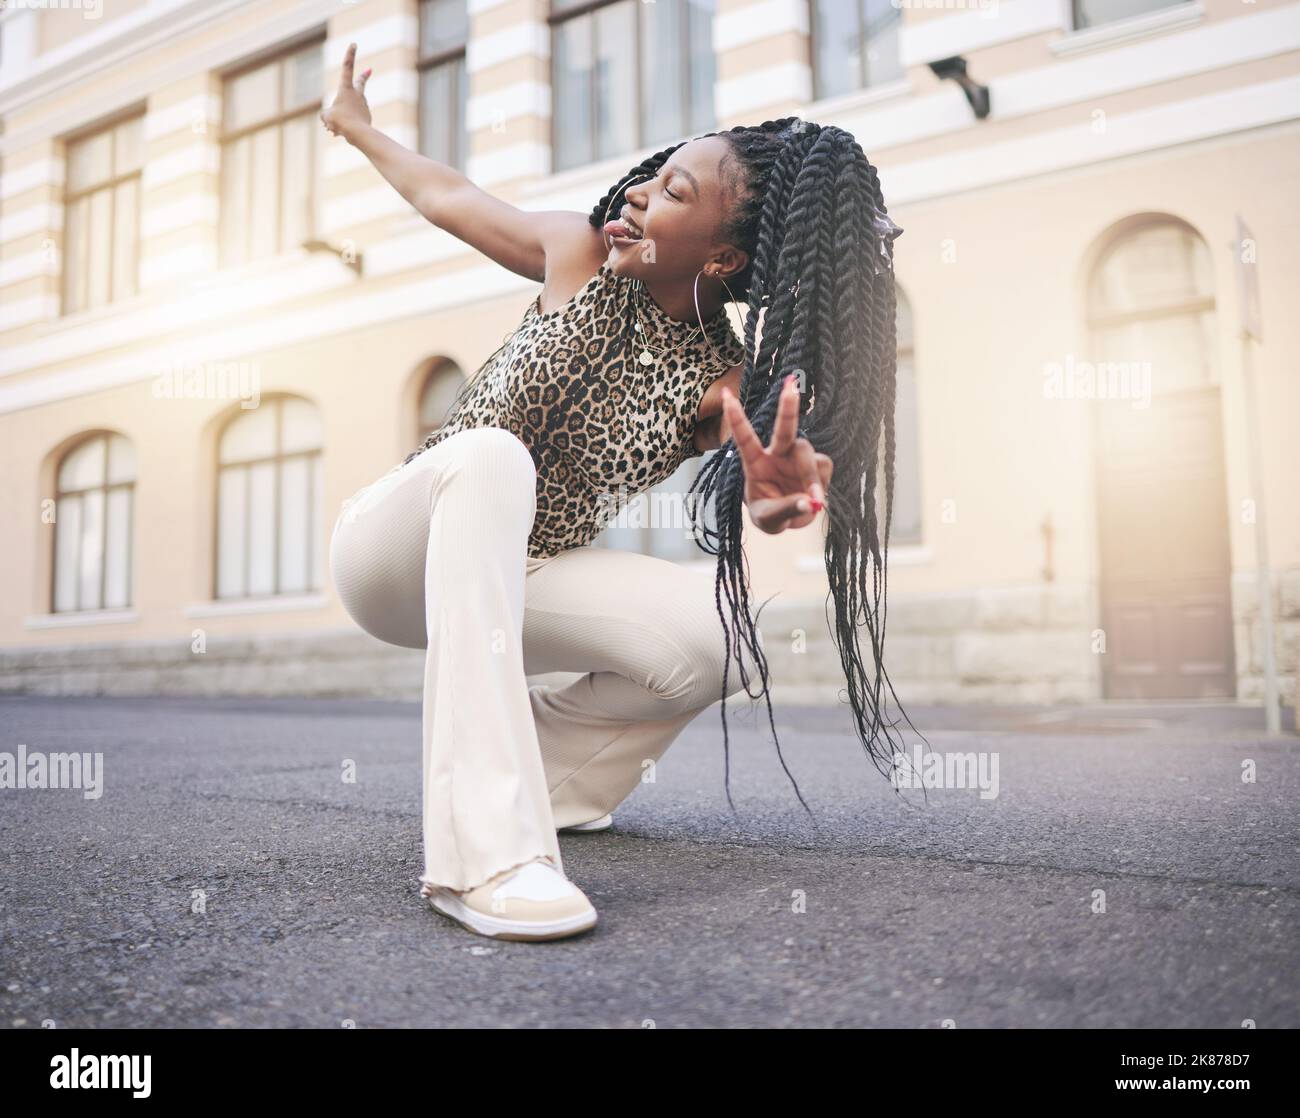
785 482
349 108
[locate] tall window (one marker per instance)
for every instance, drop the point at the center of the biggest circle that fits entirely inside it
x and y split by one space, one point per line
1092 13
854 44
627 75
92 525
1151 300
443 380
444 81
269 501
101 243
905 527
268 156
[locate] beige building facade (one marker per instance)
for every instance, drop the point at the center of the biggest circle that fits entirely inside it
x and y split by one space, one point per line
217 322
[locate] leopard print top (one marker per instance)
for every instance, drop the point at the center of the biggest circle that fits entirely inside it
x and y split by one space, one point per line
602 425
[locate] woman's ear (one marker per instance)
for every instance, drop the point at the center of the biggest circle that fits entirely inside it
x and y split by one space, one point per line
729 262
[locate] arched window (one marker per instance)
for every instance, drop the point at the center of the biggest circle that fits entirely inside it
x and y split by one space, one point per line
270 501
92 526
1151 300
441 383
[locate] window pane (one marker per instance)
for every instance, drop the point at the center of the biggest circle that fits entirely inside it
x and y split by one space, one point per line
703 69
301 77
436 399
75 258
101 239
906 526
300 426
436 93
571 79
230 532
665 511
1175 351
616 79
839 61
663 66
92 549
252 435
1090 13
117 552
883 22
1156 266
903 320
125 239
83 467
67 535
300 161
459 129
121 460
252 97
128 153
261 528
235 172
318 519
90 161
266 190
295 501
443 24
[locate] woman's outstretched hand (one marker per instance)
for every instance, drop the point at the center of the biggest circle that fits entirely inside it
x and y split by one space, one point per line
349 107
785 482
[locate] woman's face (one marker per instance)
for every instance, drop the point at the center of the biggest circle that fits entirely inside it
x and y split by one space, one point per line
680 212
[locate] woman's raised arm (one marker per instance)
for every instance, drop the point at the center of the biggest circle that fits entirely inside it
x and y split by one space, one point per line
516 239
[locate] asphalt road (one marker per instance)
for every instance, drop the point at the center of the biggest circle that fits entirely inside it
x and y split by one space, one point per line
891 910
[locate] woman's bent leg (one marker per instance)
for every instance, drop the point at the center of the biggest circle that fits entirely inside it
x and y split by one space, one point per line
647 634
442 545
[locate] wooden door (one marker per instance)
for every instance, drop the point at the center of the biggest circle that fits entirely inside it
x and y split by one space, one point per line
1165 568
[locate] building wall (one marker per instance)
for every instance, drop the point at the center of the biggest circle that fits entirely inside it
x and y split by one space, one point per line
1196 118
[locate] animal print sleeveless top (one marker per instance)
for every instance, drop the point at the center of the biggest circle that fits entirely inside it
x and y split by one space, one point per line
602 422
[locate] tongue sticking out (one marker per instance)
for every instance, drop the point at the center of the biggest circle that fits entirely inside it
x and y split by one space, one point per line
618 228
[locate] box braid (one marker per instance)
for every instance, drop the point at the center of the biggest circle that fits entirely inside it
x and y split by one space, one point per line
808 209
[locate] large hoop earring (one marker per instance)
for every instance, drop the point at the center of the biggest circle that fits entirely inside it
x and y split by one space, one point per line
695 291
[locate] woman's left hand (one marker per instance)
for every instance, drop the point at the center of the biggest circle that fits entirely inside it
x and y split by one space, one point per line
785 482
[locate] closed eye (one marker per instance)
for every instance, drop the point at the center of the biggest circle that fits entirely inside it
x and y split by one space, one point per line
670 194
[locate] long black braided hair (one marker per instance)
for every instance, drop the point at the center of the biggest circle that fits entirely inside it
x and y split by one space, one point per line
806 206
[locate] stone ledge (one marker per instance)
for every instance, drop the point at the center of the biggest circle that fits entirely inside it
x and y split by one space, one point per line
1001 645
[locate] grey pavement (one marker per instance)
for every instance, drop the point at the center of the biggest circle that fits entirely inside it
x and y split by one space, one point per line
891 909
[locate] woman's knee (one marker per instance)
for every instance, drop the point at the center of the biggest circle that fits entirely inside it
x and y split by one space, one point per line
701 671
490 453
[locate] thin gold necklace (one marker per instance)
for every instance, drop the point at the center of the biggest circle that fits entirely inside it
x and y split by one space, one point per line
648 354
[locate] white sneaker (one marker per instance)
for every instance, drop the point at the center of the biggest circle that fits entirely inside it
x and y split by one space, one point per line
602 824
530 902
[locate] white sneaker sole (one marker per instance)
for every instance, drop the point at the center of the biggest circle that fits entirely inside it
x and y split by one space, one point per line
446 902
602 824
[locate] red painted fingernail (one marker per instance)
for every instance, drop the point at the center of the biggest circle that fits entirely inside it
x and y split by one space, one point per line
817 506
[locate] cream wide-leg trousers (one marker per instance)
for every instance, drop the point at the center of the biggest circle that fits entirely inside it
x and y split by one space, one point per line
434 555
